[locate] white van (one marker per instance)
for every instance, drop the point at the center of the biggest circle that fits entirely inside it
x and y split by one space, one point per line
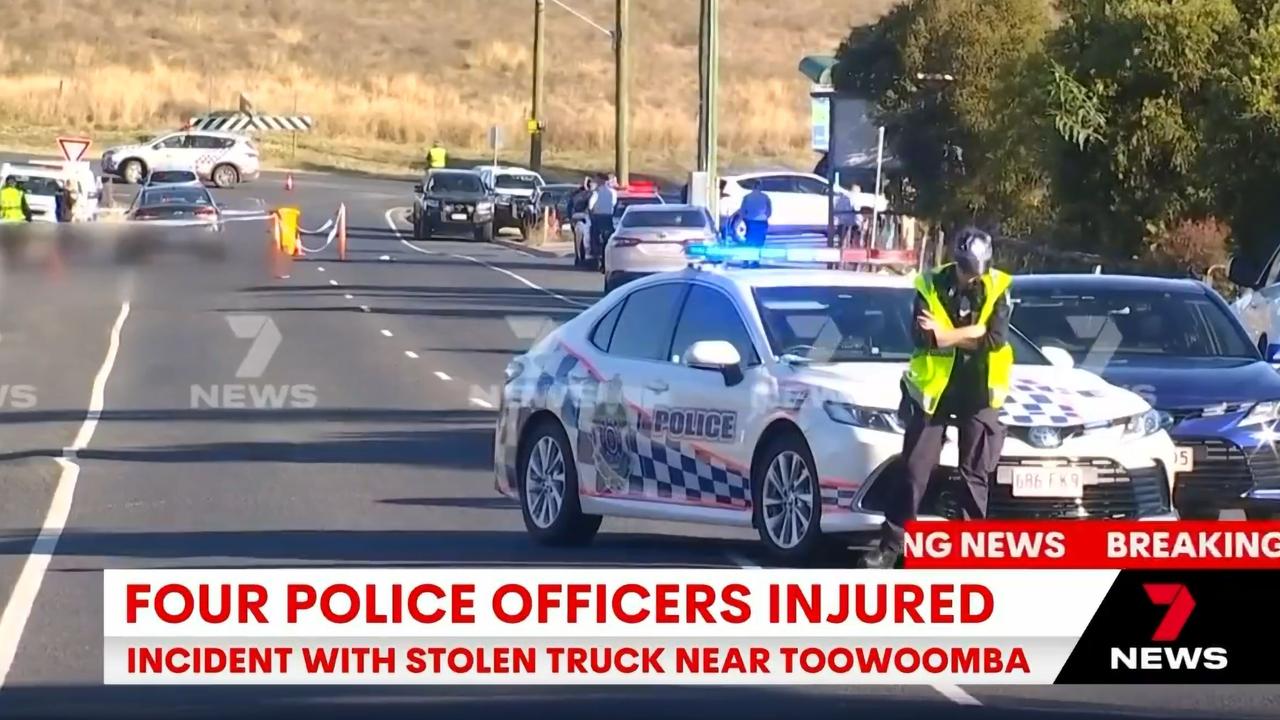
40 178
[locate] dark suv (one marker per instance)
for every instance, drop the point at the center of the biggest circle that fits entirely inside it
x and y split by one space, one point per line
452 203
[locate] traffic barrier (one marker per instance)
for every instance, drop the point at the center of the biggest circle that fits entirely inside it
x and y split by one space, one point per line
335 228
288 228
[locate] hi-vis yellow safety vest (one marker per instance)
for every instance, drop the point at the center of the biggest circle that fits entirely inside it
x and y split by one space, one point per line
437 156
930 370
11 205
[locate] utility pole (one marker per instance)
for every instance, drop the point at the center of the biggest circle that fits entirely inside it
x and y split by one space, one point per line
536 122
622 77
708 107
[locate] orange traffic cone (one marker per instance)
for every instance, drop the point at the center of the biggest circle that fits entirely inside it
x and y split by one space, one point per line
288 181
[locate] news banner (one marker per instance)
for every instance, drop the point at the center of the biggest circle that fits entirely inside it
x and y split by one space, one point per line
978 602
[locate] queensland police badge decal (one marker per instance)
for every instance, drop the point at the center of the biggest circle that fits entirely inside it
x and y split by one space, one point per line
612 434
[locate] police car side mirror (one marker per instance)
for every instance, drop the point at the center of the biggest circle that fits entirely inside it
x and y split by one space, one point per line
718 355
1058 357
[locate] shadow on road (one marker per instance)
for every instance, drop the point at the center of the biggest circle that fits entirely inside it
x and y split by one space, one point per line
560 702
497 502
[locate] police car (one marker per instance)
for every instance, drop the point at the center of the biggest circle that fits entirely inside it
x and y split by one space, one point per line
767 398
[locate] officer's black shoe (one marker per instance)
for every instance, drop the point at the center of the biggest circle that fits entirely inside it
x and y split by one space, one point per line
880 559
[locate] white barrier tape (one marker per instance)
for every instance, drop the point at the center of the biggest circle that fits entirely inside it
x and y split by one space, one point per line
333 224
323 228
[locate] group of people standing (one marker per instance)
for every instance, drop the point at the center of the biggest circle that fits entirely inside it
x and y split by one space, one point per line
596 199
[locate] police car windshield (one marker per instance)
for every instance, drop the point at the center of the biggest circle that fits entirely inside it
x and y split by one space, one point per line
516 182
1118 326
696 219
455 183
851 324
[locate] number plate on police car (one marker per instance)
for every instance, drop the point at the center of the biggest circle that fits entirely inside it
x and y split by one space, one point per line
1051 482
459 216
1184 459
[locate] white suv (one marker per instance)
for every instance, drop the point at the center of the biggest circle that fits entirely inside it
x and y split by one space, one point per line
515 191
799 200
223 158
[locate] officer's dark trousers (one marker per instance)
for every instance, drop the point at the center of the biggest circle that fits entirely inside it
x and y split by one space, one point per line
981 438
601 230
757 231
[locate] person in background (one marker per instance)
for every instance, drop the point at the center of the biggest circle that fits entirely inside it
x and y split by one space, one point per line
958 376
13 202
756 210
603 200
437 156
847 220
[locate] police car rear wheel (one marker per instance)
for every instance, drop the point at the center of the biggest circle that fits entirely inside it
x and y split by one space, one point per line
225 176
788 505
549 490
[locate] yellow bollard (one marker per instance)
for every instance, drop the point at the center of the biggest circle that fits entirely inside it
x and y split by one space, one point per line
289 218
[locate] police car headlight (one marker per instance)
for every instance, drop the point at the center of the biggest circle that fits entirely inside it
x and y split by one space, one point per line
863 417
1264 413
513 371
1144 424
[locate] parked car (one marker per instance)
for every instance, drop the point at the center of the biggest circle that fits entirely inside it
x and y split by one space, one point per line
514 192
800 202
1177 343
172 177
40 178
652 238
180 218
223 158
452 203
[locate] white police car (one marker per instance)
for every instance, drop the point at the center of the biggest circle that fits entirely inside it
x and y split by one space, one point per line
767 398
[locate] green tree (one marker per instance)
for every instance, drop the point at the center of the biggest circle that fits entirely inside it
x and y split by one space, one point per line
1128 86
965 145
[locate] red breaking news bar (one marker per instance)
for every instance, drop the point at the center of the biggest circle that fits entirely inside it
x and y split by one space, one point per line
1092 544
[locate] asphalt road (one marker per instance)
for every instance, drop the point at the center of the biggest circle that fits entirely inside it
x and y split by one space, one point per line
390 362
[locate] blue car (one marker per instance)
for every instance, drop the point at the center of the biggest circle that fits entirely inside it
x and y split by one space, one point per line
1176 343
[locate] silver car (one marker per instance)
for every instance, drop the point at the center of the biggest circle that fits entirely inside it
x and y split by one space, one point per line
652 239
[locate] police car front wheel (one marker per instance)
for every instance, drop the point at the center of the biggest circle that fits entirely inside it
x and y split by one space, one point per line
549 489
788 503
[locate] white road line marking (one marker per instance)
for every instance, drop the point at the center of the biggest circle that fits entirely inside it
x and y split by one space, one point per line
364 308
27 587
411 354
742 561
386 333
482 403
519 278
443 376
348 296
333 282
956 695
320 268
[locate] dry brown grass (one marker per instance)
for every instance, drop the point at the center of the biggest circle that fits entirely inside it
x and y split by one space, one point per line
405 72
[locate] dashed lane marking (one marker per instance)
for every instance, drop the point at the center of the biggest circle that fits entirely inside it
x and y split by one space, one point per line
391 223
411 354
333 282
482 403
364 308
443 376
348 296
386 333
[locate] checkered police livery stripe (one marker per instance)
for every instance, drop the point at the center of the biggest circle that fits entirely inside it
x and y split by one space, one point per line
1030 403
634 466
241 122
837 498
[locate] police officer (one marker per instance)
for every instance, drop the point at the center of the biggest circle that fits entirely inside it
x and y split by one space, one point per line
13 202
604 198
437 156
958 376
756 210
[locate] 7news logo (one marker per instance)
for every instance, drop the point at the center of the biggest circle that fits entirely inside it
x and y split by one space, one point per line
259 396
1179 603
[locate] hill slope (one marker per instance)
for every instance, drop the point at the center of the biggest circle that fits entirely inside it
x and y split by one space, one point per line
400 73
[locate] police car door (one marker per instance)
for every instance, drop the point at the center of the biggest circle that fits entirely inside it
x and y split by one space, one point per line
705 411
633 377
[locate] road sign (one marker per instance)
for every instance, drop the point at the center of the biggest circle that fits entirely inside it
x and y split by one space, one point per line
74 148
495 137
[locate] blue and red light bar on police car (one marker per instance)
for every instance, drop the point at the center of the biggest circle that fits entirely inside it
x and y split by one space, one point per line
731 254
